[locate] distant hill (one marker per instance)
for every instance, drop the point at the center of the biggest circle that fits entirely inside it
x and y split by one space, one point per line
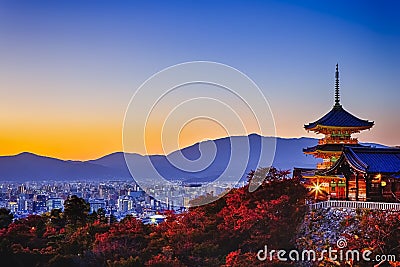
27 166
30 167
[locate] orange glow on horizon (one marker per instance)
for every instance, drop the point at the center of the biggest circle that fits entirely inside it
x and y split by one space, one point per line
67 143
86 142
82 138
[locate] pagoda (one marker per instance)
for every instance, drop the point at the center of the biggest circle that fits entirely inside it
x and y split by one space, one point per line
337 125
349 171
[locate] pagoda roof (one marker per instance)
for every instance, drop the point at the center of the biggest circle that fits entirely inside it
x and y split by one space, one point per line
328 148
339 117
371 160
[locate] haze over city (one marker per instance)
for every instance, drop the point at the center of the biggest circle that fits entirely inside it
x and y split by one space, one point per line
69 68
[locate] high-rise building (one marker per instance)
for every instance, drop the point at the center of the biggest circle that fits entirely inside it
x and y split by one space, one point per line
125 203
96 204
55 203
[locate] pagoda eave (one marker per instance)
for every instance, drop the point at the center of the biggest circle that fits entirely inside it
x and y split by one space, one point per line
327 129
322 151
323 154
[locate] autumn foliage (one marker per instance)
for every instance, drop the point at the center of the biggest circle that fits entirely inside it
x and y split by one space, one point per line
226 232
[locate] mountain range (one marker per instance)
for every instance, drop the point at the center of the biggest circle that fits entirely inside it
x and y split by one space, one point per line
288 154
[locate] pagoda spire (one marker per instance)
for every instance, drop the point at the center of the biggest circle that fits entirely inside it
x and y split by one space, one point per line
337 96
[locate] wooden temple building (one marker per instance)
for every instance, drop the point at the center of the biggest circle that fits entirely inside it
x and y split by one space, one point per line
349 170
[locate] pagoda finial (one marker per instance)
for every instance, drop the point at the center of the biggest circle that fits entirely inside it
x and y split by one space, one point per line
337 96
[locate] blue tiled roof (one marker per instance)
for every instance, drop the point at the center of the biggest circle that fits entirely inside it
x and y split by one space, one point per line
374 160
339 117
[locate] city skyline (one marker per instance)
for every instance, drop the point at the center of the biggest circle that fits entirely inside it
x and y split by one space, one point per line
69 68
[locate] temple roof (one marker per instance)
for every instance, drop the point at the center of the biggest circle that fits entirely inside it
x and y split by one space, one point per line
371 160
339 117
300 172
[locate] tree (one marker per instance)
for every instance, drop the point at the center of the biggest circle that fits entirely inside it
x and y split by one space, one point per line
76 210
56 218
226 232
99 216
241 222
122 240
377 231
6 217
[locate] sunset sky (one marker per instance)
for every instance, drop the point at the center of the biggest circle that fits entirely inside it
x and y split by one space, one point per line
68 69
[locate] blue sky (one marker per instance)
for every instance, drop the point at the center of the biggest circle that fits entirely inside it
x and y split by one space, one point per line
68 68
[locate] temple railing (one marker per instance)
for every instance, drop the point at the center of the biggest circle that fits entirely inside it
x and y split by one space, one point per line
355 205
